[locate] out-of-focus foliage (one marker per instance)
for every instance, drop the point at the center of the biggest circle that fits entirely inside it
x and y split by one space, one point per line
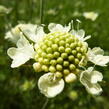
18 87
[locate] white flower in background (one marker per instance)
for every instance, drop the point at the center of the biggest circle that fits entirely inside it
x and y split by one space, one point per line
50 86
22 53
89 79
4 10
32 32
90 15
96 56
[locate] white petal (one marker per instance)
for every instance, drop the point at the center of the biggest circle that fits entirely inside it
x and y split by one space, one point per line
90 15
33 32
20 55
98 51
96 56
50 87
13 35
96 76
94 89
101 60
80 34
58 27
22 41
89 79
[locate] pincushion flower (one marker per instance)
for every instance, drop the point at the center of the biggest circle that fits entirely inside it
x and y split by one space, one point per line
62 55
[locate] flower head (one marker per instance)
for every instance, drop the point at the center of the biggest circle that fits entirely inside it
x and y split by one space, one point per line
62 55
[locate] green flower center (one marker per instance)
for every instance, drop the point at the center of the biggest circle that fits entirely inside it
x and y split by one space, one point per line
61 53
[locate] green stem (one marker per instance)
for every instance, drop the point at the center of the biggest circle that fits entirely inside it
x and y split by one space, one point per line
41 11
45 104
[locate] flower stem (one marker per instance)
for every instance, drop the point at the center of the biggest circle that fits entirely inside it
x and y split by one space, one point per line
41 11
45 104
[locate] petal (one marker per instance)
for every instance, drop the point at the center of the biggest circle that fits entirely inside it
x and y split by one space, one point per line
101 60
98 51
50 87
22 41
20 55
33 32
96 76
94 89
13 35
81 33
58 27
89 79
96 56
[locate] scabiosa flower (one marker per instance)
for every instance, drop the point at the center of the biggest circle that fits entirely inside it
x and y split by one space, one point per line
62 55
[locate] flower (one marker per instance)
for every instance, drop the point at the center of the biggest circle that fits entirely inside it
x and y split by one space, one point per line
90 15
89 79
50 86
22 53
96 56
4 10
62 55
32 32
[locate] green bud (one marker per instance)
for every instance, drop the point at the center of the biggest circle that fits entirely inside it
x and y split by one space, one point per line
49 43
61 49
68 50
44 47
72 45
72 67
71 58
57 40
45 68
49 50
79 56
53 62
65 63
74 52
52 69
78 49
76 61
66 71
67 45
62 43
40 60
56 54
43 54
58 74
59 67
64 55
39 51
55 47
49 56
60 60
79 44
46 61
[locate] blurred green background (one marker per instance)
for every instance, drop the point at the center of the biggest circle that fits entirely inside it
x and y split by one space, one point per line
18 87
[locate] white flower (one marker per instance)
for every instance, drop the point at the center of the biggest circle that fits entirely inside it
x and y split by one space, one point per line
80 34
58 27
32 32
96 56
90 15
89 79
22 53
50 86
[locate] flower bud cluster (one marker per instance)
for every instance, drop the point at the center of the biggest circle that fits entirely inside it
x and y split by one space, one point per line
60 53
